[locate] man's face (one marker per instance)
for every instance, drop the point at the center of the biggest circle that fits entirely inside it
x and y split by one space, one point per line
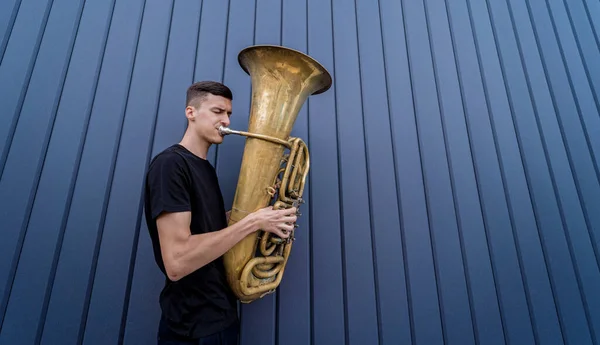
212 112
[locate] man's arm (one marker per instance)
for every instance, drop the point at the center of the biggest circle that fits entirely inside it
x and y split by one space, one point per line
183 253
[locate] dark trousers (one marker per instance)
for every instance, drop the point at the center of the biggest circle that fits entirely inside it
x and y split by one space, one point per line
228 336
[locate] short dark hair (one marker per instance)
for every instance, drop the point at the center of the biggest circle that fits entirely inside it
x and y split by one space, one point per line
197 91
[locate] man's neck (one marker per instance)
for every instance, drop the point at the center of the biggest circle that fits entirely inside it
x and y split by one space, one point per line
195 145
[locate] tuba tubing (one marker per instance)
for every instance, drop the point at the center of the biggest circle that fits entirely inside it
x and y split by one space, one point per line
274 165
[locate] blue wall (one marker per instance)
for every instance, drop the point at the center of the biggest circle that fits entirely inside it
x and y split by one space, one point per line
454 193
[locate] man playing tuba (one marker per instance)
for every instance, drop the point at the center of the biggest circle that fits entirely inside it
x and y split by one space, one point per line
189 228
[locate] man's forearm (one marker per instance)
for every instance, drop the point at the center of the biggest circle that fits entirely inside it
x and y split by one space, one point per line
200 249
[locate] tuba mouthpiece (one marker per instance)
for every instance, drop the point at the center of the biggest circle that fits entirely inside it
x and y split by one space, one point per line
224 130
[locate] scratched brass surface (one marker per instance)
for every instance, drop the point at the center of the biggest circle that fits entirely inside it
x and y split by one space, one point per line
282 79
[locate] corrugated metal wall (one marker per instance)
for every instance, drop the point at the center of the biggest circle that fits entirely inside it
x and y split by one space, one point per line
454 189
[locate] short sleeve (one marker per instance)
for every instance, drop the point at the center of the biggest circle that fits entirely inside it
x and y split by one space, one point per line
167 185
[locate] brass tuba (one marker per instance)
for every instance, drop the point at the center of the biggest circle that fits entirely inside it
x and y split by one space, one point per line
274 165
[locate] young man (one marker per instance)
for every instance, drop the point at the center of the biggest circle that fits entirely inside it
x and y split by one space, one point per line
188 226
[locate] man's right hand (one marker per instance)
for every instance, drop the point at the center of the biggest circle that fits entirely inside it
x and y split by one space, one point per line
278 222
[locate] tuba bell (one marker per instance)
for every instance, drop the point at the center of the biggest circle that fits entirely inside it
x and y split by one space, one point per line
274 165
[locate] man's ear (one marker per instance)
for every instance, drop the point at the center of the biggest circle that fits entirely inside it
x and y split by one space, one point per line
189 113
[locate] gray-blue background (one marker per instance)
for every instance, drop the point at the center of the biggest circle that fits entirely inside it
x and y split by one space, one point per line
454 194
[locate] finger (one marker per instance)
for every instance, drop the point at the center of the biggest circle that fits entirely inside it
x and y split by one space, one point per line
287 227
277 229
290 219
283 234
288 211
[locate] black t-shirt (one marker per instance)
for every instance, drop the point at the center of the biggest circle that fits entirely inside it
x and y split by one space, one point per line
202 302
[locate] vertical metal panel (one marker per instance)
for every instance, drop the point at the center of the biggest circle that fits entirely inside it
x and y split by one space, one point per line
103 320
328 290
592 8
583 79
392 299
293 298
361 305
454 180
463 178
424 311
78 254
549 215
582 246
15 72
576 30
8 14
507 219
139 316
21 177
211 50
17 65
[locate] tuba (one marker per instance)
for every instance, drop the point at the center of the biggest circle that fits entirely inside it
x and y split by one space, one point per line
274 165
